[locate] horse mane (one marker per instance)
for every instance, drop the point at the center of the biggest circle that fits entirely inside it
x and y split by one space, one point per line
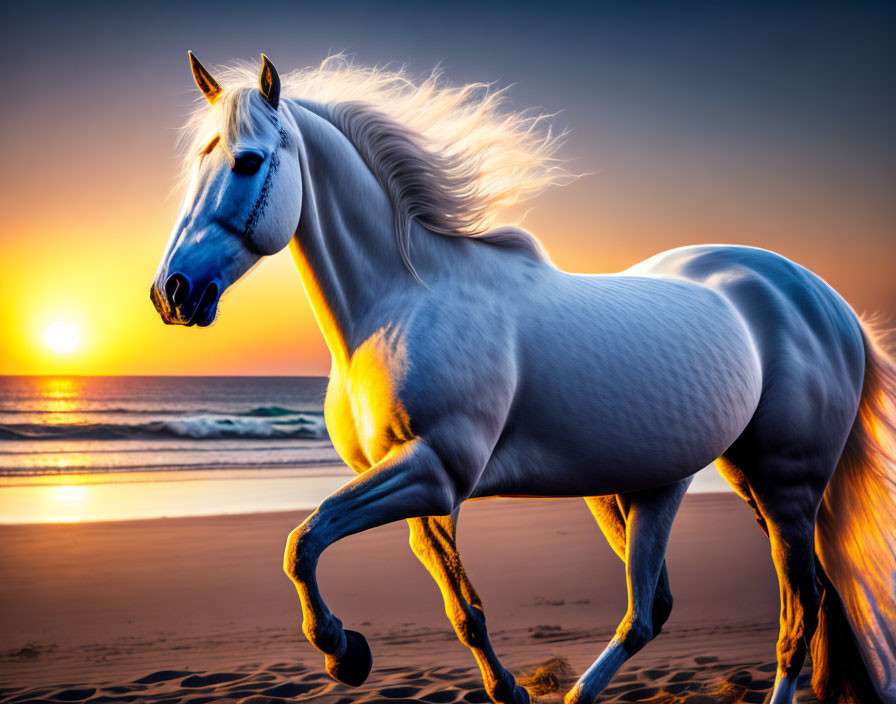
450 157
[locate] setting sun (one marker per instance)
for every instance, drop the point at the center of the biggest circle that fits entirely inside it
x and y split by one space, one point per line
62 338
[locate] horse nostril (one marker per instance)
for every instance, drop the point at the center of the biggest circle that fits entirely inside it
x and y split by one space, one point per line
205 309
177 288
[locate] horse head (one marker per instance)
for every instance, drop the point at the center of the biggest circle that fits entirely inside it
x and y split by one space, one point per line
243 197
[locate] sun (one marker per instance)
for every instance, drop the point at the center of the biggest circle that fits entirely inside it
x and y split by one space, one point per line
62 337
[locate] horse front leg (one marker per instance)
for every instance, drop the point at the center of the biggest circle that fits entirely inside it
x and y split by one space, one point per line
410 482
433 540
648 522
611 513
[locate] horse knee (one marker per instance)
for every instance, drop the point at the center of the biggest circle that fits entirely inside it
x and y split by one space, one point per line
301 553
291 554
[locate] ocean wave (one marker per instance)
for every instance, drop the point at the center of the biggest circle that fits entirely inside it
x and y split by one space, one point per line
260 423
272 411
261 411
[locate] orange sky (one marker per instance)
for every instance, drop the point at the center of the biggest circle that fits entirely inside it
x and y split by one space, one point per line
86 205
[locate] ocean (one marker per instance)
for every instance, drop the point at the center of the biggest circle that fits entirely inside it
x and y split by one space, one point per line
120 448
62 425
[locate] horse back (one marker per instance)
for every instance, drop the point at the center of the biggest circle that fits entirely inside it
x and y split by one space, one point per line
792 314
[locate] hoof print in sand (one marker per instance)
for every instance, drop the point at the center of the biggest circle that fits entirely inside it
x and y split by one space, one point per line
74 695
196 681
679 681
289 690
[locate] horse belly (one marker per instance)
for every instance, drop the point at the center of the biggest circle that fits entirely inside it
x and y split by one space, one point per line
522 467
654 404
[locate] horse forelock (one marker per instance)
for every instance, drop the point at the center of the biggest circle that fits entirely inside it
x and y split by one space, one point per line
238 112
451 157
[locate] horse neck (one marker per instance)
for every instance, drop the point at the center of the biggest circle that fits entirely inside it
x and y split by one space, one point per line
345 247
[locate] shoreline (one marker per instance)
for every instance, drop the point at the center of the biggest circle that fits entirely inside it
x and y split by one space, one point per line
165 474
120 496
88 499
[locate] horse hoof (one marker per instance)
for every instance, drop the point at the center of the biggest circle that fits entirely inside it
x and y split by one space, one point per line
354 666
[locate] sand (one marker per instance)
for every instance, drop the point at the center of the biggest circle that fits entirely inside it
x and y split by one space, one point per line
196 610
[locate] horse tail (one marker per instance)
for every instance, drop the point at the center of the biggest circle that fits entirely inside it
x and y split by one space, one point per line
854 647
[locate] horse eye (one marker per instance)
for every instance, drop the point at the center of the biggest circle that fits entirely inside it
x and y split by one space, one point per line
247 163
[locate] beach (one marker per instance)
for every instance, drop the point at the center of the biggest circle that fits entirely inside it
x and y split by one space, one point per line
194 610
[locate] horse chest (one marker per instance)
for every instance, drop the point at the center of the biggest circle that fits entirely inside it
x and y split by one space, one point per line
364 416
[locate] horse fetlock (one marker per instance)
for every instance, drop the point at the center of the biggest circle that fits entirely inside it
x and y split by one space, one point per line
325 634
578 695
791 652
635 633
503 689
662 609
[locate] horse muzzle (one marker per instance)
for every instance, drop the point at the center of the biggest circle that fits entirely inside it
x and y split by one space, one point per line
180 302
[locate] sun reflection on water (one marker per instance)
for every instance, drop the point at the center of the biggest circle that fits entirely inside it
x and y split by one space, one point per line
59 399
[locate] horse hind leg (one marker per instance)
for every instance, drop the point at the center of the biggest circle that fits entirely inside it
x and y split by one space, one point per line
738 481
792 539
611 513
648 523
433 540
787 494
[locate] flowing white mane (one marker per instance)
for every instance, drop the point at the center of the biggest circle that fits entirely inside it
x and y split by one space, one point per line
451 158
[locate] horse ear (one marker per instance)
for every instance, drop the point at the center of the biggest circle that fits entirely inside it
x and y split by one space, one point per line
208 85
269 82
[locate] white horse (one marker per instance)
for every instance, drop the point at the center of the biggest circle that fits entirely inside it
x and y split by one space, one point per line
465 365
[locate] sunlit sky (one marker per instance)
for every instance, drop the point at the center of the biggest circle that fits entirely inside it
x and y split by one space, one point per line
701 122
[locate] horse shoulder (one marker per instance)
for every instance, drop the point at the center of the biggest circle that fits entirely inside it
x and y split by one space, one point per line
462 367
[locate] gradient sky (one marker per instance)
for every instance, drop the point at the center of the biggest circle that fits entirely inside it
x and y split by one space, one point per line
745 122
